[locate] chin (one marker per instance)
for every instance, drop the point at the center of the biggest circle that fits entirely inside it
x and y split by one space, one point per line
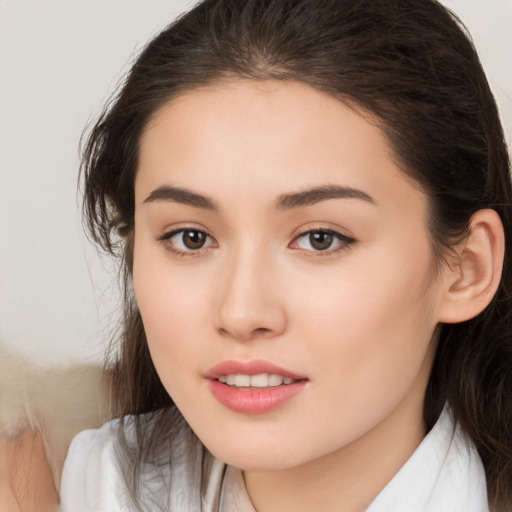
256 460
259 455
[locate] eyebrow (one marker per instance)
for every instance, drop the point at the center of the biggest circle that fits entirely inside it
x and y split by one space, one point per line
181 195
303 198
315 195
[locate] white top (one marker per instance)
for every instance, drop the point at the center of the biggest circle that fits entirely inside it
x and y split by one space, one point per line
444 474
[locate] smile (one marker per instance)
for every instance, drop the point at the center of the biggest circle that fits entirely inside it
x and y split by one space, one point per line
263 380
253 387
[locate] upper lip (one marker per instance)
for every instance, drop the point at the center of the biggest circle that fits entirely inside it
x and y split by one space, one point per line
253 367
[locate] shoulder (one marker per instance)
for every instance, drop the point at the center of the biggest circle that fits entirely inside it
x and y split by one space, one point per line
91 479
92 447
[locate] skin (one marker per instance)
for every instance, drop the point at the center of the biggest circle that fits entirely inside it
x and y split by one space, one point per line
26 483
360 320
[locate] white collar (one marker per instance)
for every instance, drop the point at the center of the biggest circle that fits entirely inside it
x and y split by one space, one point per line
444 474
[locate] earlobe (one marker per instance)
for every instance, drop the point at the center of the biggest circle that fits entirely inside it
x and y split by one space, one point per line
472 281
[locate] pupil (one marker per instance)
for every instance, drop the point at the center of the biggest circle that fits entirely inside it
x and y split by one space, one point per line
194 239
320 240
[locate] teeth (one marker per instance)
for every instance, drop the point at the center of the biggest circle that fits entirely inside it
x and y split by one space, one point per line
275 380
242 381
259 381
263 380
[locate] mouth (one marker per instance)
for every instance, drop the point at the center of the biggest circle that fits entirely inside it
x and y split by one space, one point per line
253 387
262 380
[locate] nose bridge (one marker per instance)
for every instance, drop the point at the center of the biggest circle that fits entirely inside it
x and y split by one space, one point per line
250 305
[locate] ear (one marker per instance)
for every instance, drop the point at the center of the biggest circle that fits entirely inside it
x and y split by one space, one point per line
473 277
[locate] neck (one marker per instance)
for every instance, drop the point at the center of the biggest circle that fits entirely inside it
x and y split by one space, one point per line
348 479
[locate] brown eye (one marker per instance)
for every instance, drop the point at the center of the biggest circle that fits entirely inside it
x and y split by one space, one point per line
320 240
193 239
187 240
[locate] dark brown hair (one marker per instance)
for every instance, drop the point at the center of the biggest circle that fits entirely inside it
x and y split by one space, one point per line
412 65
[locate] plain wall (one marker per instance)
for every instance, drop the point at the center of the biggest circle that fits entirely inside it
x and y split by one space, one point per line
59 61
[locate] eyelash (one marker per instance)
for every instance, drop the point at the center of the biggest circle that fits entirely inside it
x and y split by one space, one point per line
344 242
166 237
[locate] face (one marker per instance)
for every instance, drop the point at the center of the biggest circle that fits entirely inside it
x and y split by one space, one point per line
284 274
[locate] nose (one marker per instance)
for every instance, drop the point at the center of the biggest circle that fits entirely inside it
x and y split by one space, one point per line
251 303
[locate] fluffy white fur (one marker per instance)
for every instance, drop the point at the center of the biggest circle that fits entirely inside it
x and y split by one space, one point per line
57 401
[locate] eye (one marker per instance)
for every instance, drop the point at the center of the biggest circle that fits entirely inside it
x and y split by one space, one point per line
187 240
322 240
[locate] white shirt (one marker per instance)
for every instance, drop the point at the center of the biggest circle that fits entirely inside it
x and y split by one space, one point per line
444 474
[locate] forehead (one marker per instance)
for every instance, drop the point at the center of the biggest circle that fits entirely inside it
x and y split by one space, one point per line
278 109
262 137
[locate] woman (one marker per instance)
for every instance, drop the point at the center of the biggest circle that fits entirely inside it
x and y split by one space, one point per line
311 201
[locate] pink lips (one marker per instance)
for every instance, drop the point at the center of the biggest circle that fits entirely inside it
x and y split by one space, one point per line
253 400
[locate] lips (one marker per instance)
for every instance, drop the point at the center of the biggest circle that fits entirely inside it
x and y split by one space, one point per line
262 380
253 387
255 367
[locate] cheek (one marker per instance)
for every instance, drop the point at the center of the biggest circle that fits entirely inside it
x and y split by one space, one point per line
173 306
372 326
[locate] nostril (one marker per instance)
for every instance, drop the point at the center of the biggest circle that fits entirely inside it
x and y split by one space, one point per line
261 331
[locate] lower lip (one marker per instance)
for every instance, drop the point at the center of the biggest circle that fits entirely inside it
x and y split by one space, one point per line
254 400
